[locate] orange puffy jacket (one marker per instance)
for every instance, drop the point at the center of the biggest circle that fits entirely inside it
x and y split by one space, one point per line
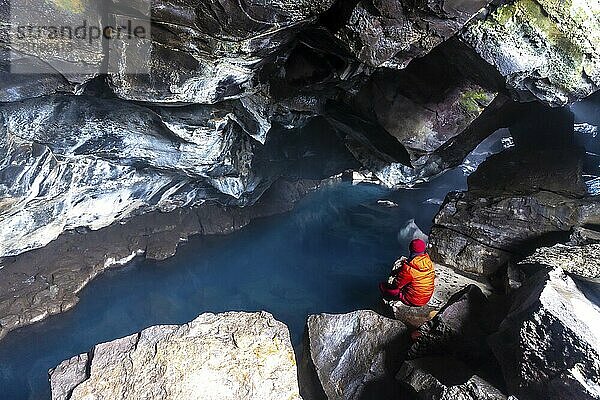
415 279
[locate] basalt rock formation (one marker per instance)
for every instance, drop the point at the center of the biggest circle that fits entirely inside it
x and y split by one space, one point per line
478 233
532 195
351 356
438 123
221 99
47 281
546 49
86 162
580 261
387 33
549 344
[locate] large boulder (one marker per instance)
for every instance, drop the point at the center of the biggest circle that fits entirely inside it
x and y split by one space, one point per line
582 262
546 49
447 283
549 344
526 197
443 378
438 123
224 356
459 332
478 233
351 356
388 33
460 328
423 118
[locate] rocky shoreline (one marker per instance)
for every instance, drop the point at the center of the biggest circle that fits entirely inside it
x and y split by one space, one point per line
242 108
46 281
475 348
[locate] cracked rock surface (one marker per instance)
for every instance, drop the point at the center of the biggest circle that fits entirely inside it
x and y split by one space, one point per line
73 162
444 378
216 356
391 33
549 344
351 356
583 262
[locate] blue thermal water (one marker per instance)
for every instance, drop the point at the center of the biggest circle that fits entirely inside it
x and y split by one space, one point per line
327 255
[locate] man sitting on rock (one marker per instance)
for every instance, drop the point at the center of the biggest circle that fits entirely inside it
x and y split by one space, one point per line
412 280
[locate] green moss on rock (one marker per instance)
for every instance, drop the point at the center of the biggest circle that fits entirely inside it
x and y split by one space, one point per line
548 48
474 101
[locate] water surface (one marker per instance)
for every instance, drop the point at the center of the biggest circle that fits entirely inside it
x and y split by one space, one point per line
327 255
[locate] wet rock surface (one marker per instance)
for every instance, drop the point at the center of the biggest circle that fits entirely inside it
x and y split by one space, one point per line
86 162
46 281
101 166
242 69
227 356
351 356
548 345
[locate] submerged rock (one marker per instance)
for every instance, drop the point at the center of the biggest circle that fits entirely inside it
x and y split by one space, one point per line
216 356
546 49
443 378
351 356
549 344
582 262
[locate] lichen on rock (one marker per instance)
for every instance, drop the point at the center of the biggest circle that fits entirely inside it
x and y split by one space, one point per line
546 49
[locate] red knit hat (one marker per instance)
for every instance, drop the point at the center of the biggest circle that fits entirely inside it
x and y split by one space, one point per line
417 246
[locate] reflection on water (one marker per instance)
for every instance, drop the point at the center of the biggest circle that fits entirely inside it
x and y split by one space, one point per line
325 256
